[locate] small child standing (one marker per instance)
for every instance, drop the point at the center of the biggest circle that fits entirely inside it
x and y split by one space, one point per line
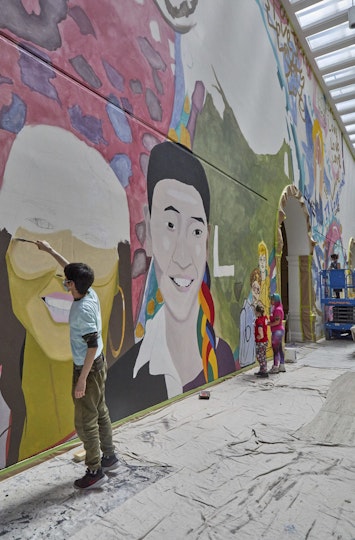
261 340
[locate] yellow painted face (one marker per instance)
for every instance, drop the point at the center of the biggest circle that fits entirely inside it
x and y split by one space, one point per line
39 300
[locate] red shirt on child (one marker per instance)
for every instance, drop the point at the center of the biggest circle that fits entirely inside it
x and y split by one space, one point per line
261 321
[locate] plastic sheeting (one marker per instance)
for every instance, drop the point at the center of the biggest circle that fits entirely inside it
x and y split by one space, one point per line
259 459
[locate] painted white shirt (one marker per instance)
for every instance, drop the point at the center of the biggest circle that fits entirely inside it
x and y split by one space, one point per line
247 337
154 350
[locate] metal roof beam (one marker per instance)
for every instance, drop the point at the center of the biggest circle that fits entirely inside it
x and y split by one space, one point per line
303 4
346 110
324 24
333 46
334 68
339 84
342 98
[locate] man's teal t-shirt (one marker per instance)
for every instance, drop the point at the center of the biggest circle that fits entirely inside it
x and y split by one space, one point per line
84 318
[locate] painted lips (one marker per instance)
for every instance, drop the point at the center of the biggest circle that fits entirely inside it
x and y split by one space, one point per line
58 305
182 283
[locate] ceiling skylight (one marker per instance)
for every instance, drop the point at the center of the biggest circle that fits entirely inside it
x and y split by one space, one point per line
329 43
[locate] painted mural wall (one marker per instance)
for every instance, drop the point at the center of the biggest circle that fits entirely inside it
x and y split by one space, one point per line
151 139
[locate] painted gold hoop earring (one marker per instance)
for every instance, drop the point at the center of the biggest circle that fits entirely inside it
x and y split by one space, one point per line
116 352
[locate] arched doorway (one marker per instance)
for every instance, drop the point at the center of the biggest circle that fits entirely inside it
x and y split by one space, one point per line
351 254
284 279
294 253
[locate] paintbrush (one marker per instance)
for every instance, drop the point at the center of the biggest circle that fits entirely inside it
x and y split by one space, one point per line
25 240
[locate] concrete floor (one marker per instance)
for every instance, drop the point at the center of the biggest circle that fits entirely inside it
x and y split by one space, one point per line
261 459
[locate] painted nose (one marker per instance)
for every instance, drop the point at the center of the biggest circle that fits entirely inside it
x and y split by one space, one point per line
181 255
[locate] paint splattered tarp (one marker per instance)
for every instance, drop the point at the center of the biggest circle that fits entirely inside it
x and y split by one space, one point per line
239 465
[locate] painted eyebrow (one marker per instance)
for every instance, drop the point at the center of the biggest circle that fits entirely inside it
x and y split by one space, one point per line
171 208
200 219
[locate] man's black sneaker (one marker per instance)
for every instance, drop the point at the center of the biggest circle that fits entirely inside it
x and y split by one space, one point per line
109 463
262 374
91 480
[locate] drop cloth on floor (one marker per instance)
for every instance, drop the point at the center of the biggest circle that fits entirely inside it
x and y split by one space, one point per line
242 464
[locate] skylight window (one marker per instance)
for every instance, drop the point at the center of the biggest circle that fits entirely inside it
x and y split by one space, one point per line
336 58
339 78
329 43
321 11
337 34
350 128
343 93
346 106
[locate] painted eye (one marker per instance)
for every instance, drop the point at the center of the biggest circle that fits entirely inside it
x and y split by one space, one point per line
170 226
197 232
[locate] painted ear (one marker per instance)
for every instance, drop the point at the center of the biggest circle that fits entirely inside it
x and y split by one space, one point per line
148 240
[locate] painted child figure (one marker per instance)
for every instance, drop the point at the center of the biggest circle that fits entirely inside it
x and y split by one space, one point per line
261 340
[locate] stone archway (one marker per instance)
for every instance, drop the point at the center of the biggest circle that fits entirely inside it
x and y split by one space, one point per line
351 254
293 216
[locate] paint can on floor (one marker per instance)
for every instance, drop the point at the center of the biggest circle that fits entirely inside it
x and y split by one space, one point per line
290 355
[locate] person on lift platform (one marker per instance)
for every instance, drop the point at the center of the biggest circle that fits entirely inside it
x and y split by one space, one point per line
335 265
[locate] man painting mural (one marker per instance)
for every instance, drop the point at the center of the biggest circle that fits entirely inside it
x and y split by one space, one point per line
180 350
65 192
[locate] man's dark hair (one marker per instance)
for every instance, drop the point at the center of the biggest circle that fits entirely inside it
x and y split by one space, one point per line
169 160
82 275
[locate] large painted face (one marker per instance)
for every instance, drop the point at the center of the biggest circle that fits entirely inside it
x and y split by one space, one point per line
66 193
36 284
178 234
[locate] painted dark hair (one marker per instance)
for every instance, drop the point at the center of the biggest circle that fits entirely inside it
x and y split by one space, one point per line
81 274
169 160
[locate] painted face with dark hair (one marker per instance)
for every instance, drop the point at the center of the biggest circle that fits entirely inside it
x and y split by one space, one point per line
178 235
36 284
45 212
